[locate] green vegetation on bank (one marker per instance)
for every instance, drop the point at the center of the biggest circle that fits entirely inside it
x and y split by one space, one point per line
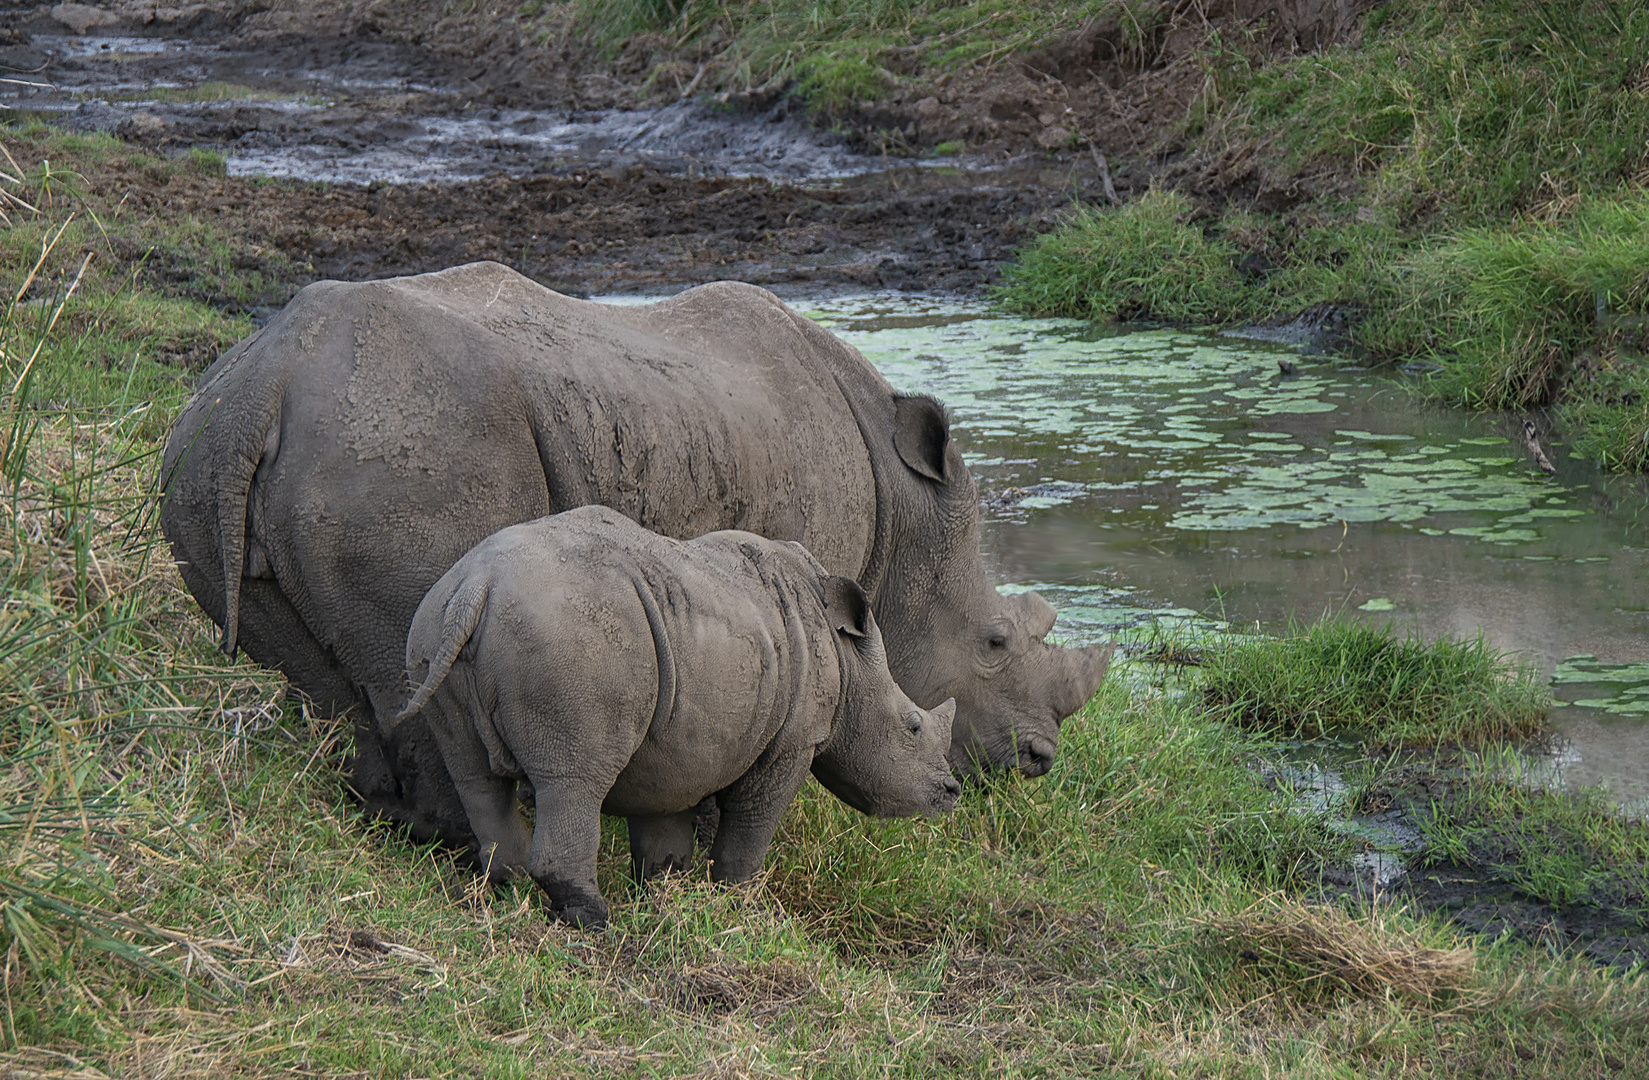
846 50
1352 679
1472 177
186 891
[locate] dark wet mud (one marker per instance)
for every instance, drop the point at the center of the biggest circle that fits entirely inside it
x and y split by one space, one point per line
418 177
1499 875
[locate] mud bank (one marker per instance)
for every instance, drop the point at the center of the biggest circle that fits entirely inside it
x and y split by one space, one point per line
585 201
629 229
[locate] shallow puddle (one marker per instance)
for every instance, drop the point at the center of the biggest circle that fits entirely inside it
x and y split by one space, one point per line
1165 475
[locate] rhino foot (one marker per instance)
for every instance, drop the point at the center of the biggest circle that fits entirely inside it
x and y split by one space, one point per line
589 915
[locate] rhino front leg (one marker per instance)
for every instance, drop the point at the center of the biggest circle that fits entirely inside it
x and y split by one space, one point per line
662 844
750 811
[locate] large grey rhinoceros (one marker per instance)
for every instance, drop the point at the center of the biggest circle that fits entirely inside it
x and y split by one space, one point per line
339 460
627 673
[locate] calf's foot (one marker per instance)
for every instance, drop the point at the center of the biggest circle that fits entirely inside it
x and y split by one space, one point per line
575 903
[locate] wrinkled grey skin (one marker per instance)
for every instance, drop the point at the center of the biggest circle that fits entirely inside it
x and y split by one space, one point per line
343 457
623 672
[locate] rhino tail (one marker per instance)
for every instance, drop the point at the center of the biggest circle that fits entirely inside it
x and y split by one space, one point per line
234 489
459 619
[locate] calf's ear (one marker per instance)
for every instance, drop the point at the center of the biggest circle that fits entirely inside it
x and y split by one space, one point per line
921 435
847 607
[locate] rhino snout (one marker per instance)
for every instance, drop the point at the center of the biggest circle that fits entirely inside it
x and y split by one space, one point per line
949 791
1035 755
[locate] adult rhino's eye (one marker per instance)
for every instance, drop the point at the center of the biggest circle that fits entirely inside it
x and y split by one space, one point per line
913 721
997 641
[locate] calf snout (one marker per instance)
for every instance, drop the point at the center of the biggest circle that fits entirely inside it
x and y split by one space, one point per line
949 792
1036 755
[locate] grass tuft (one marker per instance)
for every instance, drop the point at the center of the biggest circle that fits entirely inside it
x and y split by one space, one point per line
1518 312
1469 177
1316 952
1144 260
1350 678
1555 847
846 51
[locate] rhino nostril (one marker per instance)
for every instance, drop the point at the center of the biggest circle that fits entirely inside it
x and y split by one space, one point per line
1036 756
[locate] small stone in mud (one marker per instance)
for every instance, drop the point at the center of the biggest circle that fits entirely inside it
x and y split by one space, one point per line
83 17
140 125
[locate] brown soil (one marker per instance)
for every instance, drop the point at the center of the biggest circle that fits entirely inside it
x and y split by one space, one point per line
609 231
1108 81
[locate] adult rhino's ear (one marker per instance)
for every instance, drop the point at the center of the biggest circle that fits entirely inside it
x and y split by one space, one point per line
847 607
921 434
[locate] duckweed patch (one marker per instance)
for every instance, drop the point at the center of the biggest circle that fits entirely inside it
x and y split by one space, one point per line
1622 689
1205 418
1371 683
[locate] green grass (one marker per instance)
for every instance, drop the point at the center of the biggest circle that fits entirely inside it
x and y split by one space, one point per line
1338 678
1466 111
1511 309
841 52
211 90
1552 846
1142 260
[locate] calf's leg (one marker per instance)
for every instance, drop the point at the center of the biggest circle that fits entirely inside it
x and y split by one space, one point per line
501 840
565 842
750 811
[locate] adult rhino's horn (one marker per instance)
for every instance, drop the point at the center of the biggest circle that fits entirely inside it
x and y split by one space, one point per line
921 434
1085 670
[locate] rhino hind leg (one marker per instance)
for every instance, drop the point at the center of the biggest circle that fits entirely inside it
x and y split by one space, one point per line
661 844
566 842
404 779
500 841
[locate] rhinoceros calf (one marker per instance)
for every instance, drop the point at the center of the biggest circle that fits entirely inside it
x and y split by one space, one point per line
626 673
337 462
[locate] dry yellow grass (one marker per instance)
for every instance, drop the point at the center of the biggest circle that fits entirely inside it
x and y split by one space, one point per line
1315 950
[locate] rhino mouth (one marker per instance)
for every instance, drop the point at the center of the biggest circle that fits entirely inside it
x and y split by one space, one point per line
1030 756
945 799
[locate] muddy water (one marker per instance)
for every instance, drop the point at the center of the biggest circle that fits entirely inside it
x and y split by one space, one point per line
1171 476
